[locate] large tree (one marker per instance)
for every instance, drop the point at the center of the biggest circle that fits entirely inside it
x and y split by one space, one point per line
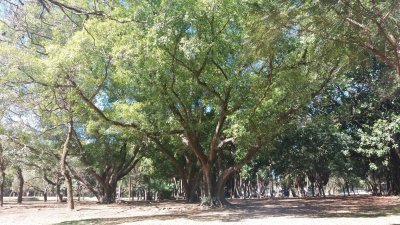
191 70
192 77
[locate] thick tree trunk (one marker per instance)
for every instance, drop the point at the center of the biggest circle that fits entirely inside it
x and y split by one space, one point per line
213 184
70 191
20 185
214 193
394 172
220 186
108 197
191 185
190 191
216 190
209 192
107 193
208 195
182 170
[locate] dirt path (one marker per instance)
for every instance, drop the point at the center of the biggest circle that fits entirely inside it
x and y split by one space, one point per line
351 210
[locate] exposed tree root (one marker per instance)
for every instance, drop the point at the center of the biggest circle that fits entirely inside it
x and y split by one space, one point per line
216 203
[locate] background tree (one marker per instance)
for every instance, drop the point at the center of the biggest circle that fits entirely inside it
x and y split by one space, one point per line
105 156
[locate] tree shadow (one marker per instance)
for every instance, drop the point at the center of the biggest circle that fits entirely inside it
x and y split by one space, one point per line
356 207
323 207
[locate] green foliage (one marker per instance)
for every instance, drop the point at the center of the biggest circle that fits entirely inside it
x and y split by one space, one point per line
203 83
380 139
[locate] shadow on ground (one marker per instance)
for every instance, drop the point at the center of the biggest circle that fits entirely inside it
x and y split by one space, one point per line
355 207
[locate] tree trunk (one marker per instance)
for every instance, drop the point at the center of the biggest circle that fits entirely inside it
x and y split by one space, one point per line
64 170
70 191
190 191
347 188
20 184
190 186
107 194
3 175
394 172
130 187
60 196
312 189
108 197
119 191
245 189
233 188
45 195
208 195
78 191
220 186
272 187
215 192
258 187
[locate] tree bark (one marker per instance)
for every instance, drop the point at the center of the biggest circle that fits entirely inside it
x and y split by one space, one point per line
109 194
323 191
208 193
20 185
60 197
347 188
394 172
214 193
190 187
78 191
64 170
3 175
312 189
45 195
130 187
220 186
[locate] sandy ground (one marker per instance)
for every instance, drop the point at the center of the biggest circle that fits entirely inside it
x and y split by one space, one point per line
318 211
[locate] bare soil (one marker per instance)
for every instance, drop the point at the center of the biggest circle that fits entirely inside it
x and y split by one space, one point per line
333 210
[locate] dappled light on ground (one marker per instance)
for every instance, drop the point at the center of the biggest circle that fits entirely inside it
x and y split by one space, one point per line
338 210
